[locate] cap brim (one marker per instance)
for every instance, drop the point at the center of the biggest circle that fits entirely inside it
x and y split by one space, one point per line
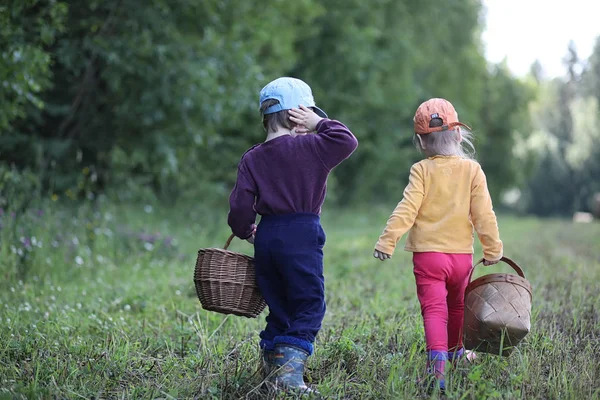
320 112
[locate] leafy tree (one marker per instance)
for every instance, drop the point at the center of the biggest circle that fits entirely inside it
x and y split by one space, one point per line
162 95
27 29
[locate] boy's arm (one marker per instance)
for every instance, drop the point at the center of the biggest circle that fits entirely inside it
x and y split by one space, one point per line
242 215
403 217
333 142
484 218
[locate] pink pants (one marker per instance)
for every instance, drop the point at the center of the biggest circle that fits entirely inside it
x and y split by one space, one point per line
441 282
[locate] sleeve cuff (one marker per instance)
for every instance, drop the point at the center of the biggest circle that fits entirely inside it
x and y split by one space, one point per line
320 124
493 258
384 249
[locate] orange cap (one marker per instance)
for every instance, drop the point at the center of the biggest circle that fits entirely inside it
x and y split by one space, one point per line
436 108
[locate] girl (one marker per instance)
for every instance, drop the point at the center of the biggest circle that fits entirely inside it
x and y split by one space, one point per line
445 199
284 180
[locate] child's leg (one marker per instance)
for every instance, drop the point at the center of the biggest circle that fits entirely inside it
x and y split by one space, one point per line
431 272
270 284
301 264
430 275
457 283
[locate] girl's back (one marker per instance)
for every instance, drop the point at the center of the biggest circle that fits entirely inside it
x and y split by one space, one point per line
449 187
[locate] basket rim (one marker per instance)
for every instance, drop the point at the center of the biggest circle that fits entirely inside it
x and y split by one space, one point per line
218 250
500 278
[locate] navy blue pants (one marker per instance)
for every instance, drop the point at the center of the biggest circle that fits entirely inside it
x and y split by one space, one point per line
288 254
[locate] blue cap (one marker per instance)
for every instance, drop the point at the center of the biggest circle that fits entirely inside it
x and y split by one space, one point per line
291 93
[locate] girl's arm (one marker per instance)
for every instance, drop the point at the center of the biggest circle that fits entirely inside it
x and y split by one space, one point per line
484 218
242 215
403 217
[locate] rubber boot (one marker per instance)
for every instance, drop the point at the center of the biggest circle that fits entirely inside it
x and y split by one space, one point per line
436 364
455 356
267 357
289 362
461 356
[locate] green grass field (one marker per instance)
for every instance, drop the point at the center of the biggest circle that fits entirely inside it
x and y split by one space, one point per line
100 303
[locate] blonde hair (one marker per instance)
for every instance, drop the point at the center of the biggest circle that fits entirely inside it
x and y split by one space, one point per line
455 142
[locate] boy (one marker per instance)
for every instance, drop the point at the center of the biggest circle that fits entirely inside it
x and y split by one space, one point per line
284 180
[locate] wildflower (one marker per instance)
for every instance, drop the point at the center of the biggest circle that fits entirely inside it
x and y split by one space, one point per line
148 246
148 209
127 307
144 237
79 260
54 197
26 242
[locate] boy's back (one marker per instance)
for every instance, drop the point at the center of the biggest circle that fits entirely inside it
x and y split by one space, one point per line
288 174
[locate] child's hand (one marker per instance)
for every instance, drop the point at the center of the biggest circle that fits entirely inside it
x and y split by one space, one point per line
306 118
251 238
487 263
382 256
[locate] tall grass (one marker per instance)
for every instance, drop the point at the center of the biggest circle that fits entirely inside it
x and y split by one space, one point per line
97 301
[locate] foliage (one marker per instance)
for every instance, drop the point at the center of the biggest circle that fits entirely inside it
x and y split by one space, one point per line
565 145
27 29
160 98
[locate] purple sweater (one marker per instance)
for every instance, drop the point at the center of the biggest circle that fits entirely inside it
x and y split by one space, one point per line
287 175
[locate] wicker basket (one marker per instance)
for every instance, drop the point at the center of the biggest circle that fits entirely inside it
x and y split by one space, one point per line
497 311
226 282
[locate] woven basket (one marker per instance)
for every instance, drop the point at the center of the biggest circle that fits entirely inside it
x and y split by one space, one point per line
226 282
497 311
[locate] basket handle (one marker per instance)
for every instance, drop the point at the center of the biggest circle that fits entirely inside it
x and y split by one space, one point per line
228 242
507 260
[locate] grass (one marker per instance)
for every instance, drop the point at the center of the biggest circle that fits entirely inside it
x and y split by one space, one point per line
101 305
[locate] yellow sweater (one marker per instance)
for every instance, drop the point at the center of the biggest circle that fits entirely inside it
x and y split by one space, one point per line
446 197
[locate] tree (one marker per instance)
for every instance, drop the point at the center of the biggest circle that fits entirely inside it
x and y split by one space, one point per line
148 91
27 29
